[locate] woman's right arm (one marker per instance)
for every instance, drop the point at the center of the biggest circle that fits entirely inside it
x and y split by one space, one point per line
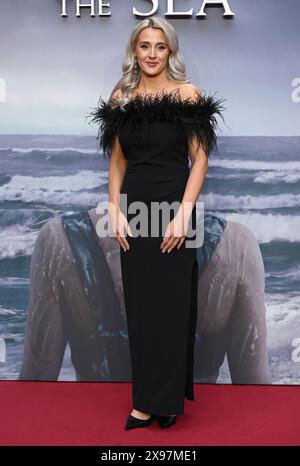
117 170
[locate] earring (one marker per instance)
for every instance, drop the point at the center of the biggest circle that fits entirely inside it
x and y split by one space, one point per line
136 66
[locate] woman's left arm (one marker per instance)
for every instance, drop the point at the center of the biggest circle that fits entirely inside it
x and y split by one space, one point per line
178 227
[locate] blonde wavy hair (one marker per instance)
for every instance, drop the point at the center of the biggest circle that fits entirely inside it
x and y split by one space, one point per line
176 67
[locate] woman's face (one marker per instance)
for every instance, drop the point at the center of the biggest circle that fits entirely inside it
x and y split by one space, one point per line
152 51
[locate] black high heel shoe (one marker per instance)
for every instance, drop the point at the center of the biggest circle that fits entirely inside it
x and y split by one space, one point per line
134 422
166 421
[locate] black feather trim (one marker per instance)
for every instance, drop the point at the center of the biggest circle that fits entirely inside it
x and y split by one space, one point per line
196 116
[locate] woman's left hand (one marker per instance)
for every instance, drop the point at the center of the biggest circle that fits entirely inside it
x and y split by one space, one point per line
175 232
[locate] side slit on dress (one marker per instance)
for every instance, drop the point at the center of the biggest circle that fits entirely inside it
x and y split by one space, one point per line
189 393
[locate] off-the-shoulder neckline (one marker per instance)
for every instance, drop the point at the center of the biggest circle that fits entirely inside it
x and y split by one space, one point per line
173 96
175 92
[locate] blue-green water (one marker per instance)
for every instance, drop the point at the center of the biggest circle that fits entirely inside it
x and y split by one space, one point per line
254 180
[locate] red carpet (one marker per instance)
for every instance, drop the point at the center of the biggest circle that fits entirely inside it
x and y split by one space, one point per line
77 413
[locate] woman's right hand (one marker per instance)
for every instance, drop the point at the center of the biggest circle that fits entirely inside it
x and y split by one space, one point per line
119 225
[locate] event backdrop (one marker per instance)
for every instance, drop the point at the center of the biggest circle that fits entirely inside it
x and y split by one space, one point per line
61 303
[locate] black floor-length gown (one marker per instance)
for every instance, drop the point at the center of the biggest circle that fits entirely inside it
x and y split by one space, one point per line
160 289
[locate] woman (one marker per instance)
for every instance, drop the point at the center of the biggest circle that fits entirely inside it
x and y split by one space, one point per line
148 129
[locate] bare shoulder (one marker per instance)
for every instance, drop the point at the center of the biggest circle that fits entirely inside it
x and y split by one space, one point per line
115 97
117 94
189 91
